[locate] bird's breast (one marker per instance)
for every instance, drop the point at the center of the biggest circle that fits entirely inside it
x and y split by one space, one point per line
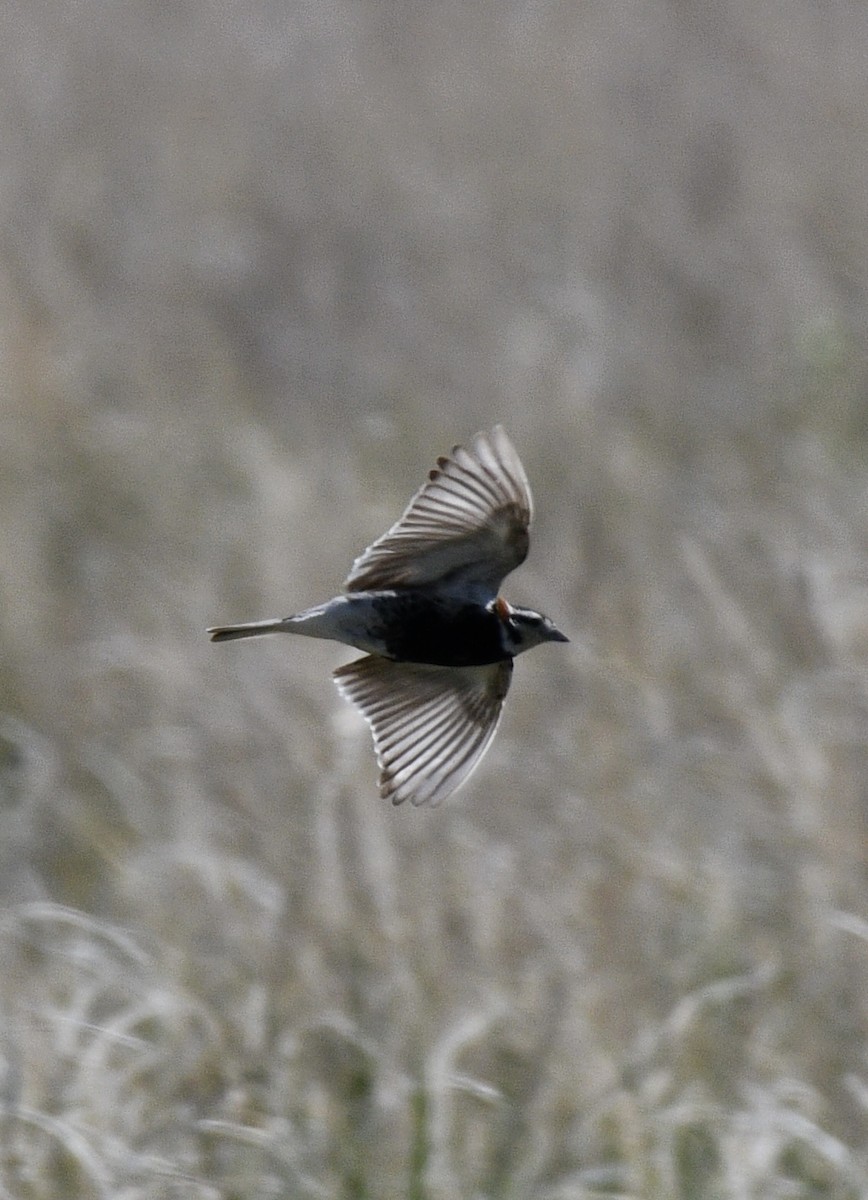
441 631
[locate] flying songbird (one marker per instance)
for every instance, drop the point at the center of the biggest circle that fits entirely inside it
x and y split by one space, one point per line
423 603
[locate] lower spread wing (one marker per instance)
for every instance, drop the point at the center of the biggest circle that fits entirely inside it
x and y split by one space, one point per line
468 525
431 725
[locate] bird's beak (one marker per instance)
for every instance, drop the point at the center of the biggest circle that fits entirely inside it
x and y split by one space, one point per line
555 635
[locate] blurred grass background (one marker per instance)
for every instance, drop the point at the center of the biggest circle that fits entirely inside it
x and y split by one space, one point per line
259 265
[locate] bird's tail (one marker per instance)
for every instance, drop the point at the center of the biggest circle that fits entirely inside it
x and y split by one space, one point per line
324 621
226 633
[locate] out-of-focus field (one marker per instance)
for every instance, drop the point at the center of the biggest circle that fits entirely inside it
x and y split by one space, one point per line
259 264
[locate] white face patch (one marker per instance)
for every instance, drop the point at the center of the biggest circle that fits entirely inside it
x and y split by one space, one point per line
525 629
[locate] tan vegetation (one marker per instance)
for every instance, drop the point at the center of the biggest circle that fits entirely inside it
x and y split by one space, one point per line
259 264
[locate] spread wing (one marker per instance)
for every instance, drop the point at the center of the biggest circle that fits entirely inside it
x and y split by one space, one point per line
431 725
467 526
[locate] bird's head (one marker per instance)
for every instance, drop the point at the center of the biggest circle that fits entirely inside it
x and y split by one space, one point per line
523 628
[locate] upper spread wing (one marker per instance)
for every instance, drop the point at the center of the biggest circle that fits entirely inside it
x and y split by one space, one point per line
431 725
467 526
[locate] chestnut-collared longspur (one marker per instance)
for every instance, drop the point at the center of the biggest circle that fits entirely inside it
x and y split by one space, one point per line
423 603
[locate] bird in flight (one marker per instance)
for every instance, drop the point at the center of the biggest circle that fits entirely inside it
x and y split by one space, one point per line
423 603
